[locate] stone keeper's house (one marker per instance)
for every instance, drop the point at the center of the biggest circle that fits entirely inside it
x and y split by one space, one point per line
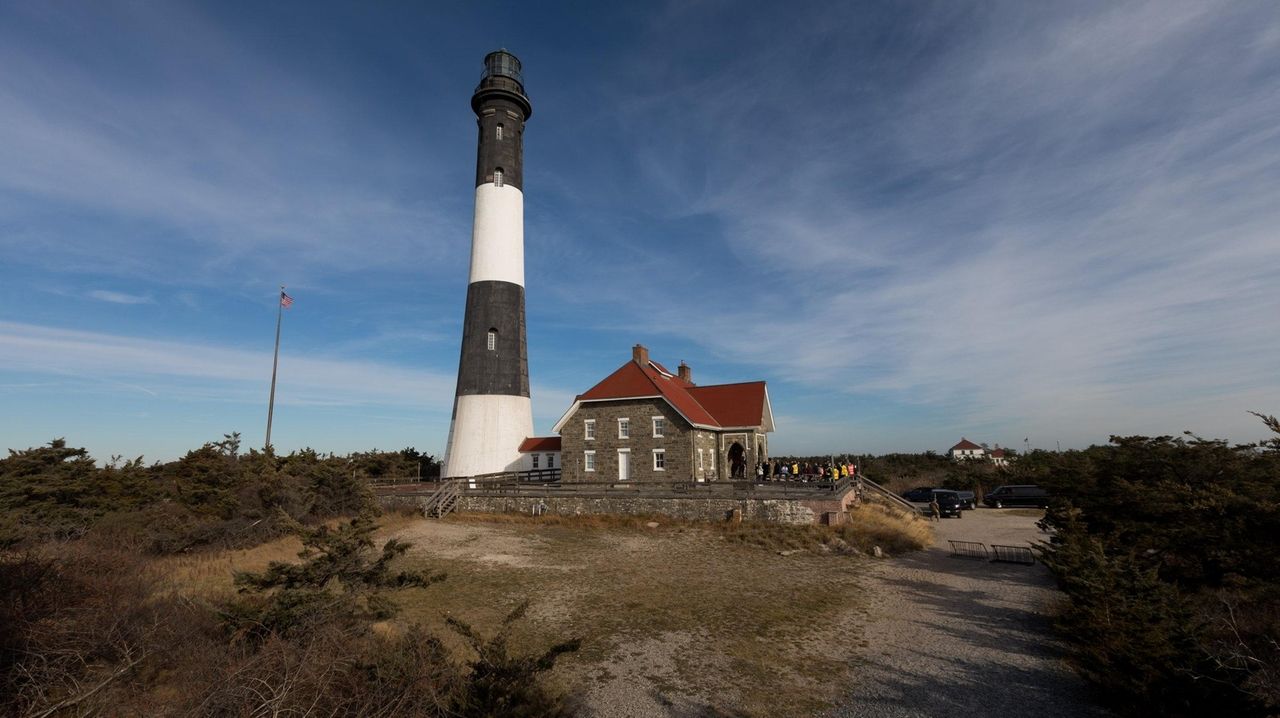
643 423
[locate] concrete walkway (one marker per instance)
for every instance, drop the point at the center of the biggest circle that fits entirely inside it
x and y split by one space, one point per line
961 637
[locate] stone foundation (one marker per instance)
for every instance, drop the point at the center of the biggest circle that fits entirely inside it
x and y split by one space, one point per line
829 510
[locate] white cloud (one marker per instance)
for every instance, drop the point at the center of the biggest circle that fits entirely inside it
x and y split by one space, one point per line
1065 221
218 175
219 373
104 295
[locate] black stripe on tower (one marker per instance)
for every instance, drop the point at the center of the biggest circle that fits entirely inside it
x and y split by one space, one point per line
494 318
501 109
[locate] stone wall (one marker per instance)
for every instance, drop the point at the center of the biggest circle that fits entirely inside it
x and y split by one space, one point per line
694 509
676 441
783 511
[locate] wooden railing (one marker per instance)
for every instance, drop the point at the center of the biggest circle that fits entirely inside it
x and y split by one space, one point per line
530 476
876 492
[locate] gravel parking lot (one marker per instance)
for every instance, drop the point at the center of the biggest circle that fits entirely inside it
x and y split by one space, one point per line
952 636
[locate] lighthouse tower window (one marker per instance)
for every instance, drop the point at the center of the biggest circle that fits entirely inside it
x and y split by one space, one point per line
497 177
493 339
499 131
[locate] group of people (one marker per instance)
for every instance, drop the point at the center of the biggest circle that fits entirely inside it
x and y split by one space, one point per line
777 470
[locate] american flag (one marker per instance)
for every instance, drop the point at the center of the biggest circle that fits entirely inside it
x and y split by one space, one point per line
286 301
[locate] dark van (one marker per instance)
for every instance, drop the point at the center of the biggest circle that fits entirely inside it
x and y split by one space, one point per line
1017 495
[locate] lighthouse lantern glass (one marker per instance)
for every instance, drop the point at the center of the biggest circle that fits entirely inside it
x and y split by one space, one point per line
504 64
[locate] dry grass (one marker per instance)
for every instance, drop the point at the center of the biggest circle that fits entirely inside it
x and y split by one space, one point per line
869 525
708 616
208 574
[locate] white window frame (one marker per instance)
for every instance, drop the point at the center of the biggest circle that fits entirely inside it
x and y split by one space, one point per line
659 421
499 132
551 461
497 176
491 343
659 454
700 466
589 461
534 457
624 428
589 430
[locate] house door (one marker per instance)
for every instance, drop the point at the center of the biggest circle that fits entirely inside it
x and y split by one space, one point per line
624 465
737 461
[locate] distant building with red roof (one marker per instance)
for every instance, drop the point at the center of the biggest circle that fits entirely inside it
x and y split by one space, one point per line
999 457
966 450
642 422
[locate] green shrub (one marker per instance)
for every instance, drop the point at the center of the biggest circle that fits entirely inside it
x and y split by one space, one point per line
1165 549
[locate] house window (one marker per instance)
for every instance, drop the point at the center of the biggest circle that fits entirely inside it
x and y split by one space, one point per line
713 462
492 341
497 177
659 427
659 459
535 460
588 461
551 461
624 428
499 130
699 459
589 429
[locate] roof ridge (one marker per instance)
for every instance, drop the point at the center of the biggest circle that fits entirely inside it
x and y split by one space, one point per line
732 383
678 384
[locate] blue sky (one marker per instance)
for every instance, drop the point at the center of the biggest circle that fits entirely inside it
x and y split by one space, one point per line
916 221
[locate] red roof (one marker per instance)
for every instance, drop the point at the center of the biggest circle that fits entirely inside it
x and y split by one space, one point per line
965 444
733 404
540 443
997 454
715 406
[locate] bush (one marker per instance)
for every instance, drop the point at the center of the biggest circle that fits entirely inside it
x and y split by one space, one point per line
1165 549
79 627
214 496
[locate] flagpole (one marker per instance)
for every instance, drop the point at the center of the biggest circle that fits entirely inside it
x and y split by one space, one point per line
275 363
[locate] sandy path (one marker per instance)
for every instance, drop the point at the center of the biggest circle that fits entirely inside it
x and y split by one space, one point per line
948 636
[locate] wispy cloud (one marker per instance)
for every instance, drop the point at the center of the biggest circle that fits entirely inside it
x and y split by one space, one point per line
105 295
202 177
1058 220
218 372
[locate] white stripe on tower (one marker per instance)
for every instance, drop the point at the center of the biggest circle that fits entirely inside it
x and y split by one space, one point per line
497 237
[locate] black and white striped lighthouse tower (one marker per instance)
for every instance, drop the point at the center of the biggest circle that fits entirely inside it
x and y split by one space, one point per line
492 413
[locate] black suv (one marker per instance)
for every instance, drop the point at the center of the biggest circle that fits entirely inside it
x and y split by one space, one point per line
949 503
1020 495
922 494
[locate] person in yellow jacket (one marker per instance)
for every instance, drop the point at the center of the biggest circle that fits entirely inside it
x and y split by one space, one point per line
844 471
795 470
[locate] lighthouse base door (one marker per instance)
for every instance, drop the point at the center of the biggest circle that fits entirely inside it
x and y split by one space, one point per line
624 465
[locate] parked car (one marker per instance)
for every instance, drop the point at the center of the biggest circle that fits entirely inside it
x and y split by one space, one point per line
949 503
1016 495
920 495
968 500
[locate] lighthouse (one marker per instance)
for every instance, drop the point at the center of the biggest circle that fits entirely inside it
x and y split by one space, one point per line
492 413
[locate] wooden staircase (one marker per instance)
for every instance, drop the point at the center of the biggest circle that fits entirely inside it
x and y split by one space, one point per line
443 500
876 492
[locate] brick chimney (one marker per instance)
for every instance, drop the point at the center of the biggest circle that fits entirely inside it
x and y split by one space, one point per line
640 355
685 373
